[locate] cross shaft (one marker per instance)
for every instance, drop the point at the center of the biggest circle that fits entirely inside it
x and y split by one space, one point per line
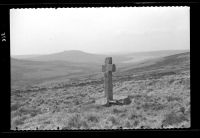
108 68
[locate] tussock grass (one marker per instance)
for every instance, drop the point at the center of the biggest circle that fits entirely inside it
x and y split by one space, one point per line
32 112
173 119
118 111
76 121
92 118
15 107
153 106
113 119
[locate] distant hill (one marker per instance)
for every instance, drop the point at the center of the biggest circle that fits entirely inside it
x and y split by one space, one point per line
77 56
142 56
24 56
27 72
159 52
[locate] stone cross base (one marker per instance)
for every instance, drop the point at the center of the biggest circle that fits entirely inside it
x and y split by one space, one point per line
118 100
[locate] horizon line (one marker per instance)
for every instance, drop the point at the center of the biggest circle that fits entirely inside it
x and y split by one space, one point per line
102 53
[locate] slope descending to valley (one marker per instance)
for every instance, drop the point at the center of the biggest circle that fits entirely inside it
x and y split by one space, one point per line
158 95
28 70
25 73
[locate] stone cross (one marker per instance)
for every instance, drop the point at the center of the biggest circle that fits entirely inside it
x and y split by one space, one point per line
108 68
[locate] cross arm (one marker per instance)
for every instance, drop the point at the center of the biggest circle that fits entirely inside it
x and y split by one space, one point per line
109 67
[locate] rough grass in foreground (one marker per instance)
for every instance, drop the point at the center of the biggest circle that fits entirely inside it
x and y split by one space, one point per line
173 119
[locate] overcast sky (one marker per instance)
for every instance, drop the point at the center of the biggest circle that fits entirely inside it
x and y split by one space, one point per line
99 30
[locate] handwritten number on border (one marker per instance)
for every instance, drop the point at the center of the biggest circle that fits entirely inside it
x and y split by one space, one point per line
3 37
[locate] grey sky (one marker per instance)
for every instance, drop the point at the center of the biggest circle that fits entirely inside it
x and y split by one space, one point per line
99 30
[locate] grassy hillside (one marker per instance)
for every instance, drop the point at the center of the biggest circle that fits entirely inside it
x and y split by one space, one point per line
174 62
26 73
158 96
